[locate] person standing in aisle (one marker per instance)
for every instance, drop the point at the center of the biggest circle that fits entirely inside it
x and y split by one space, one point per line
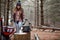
18 16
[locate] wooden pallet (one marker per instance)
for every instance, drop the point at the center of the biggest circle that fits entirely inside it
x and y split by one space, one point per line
50 28
22 37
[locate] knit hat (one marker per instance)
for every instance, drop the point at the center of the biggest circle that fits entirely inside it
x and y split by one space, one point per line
19 3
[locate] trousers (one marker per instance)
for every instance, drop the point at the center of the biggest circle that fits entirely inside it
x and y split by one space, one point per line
18 26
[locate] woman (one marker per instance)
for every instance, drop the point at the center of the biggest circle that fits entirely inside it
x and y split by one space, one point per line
18 16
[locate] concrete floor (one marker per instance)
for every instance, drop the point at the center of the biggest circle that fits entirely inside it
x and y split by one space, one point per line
45 35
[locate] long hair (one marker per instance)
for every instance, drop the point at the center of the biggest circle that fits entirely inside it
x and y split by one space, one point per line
20 9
